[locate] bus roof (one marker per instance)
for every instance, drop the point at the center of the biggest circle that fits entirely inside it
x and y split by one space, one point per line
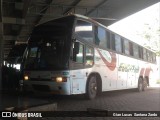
93 21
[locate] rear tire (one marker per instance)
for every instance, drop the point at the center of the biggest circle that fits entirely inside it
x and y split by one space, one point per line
140 85
144 84
92 88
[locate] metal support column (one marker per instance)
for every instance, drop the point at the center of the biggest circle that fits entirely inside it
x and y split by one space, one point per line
1 58
1 45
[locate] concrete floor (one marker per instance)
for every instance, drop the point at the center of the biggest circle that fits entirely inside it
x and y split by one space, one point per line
125 100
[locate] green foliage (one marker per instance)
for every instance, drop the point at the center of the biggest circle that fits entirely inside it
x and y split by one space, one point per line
151 38
158 53
158 81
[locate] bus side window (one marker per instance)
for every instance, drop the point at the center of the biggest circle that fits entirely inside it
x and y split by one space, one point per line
89 56
100 37
126 47
147 52
136 51
140 52
79 56
84 30
122 45
113 41
31 55
118 43
131 48
108 40
150 56
144 54
154 58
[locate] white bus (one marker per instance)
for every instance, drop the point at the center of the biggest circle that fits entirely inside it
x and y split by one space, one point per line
77 55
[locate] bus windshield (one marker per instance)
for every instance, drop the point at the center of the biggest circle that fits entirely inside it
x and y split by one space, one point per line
49 47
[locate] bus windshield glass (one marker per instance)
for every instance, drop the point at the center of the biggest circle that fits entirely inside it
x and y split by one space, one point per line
49 46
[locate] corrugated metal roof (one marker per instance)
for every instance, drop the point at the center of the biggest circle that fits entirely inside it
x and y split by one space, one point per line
33 12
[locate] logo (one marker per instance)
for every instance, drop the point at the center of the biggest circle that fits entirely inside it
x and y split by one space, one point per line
109 58
6 114
20 115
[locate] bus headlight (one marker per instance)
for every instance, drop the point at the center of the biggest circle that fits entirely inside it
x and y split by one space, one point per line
61 79
26 77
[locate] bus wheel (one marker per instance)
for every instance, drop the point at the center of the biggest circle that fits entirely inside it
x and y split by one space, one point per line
91 88
140 84
144 84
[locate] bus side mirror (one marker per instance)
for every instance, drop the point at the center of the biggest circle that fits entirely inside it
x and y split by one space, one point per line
76 47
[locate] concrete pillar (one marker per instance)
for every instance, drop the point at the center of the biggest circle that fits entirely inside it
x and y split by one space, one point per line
1 45
1 55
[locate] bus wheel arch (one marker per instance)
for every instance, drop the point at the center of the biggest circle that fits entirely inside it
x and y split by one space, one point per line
99 80
93 84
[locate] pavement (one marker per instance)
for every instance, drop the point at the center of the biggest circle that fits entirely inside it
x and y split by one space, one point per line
124 100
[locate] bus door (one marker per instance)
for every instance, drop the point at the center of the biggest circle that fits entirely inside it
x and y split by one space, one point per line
77 69
83 62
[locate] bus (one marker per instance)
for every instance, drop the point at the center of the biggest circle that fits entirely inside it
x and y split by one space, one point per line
15 56
76 55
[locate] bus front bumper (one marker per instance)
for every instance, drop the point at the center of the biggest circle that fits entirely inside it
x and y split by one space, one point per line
47 87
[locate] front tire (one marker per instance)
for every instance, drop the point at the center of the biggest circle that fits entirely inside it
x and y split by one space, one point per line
92 90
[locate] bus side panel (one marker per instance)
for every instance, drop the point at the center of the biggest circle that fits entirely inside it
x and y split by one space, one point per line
128 68
78 80
122 73
105 65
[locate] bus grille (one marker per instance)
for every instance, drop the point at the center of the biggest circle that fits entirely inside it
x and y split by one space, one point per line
43 88
39 79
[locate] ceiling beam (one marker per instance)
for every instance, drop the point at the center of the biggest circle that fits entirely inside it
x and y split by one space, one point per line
11 20
25 7
43 11
74 3
9 37
7 48
9 42
96 7
19 5
21 42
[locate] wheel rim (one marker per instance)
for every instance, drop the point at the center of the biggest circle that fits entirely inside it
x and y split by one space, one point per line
92 87
144 85
140 86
